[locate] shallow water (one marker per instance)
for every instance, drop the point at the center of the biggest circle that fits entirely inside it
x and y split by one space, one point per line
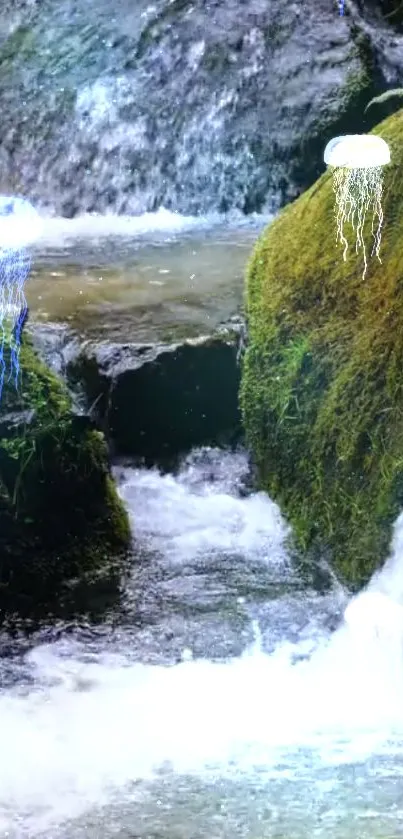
155 277
242 705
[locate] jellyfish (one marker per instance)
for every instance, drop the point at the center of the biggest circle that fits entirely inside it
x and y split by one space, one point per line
20 226
357 161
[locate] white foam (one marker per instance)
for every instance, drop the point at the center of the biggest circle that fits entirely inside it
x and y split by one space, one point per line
104 725
375 616
92 726
21 226
58 231
211 519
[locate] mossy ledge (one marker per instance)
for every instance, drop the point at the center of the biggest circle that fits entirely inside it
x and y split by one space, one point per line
60 515
322 384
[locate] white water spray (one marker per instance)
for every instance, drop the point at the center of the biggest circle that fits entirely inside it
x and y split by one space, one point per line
95 727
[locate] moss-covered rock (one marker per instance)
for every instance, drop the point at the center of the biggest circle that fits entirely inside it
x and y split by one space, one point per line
322 388
60 515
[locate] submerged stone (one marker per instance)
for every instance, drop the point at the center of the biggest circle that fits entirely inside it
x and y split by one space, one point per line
322 385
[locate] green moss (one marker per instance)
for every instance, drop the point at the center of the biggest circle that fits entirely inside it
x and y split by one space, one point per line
60 515
322 388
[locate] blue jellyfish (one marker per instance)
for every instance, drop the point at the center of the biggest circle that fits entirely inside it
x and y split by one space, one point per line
20 226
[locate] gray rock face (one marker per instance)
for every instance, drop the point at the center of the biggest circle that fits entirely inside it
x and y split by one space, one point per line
197 105
156 402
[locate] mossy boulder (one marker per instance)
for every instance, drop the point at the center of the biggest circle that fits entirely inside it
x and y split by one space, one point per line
60 515
322 385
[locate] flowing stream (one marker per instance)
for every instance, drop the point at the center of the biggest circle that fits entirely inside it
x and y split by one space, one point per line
159 276
242 706
225 696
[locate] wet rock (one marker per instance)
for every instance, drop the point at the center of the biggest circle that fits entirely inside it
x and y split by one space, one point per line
322 385
60 516
157 401
256 88
51 342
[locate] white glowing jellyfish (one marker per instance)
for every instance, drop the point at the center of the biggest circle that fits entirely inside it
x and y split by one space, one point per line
357 161
20 227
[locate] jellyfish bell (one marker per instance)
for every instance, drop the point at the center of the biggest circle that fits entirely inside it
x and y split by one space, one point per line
357 161
357 151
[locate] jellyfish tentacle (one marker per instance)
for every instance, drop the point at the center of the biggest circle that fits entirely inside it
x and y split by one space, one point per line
356 161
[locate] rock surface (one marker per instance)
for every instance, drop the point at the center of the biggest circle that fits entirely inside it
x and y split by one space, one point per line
322 388
60 515
191 105
157 401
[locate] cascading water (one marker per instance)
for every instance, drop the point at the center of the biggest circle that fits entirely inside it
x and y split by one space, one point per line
195 106
227 698
244 705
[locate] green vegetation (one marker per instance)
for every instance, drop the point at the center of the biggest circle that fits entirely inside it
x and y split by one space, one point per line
395 93
322 388
60 515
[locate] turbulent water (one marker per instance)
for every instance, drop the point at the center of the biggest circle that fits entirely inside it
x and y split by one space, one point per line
224 695
228 698
159 276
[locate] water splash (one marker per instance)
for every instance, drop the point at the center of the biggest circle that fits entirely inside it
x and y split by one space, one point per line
318 719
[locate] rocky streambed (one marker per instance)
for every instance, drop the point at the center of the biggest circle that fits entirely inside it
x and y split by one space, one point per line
150 347
217 686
